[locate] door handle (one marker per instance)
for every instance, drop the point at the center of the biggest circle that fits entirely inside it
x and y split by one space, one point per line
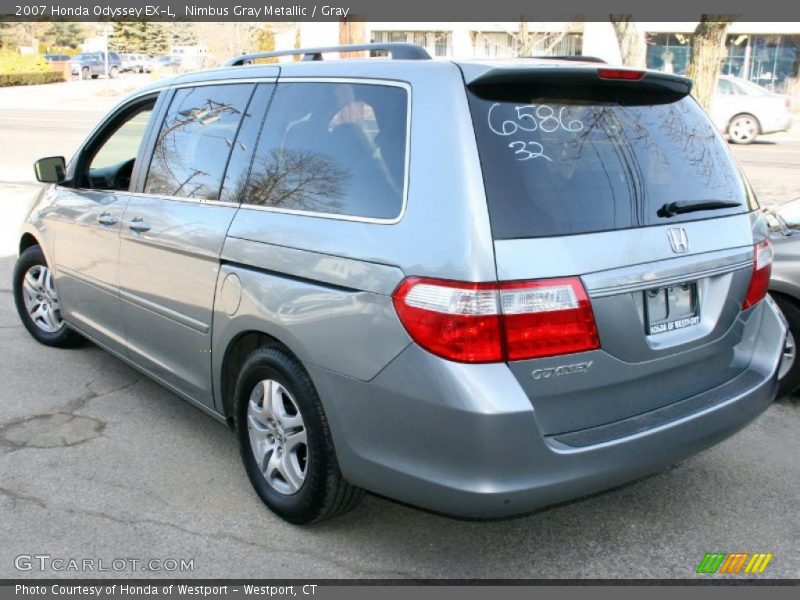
138 225
107 219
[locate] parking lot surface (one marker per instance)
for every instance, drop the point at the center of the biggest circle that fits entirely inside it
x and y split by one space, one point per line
98 462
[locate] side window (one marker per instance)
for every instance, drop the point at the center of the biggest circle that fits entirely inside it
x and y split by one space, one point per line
195 141
235 184
110 165
335 148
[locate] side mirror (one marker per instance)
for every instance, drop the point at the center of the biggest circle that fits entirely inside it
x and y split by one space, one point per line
52 169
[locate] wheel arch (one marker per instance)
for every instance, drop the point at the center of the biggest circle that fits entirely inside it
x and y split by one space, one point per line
28 240
744 114
239 347
32 236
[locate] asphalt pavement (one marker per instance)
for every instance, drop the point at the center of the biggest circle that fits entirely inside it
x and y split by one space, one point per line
98 462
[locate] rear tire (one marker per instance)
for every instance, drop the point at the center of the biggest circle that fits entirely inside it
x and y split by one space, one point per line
790 366
37 301
285 442
743 129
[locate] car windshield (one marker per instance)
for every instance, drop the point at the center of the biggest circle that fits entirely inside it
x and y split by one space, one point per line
556 166
752 89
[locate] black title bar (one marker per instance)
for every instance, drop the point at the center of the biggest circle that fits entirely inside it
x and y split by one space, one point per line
394 11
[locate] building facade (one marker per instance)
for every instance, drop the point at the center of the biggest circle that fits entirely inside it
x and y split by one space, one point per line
765 53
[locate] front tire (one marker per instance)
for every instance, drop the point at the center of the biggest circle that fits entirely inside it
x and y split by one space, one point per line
789 372
285 442
37 301
743 129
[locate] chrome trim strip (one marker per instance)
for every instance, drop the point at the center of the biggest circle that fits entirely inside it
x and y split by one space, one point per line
665 272
165 312
83 278
223 81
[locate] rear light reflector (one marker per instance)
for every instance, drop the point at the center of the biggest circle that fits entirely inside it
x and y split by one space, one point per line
626 74
488 322
762 269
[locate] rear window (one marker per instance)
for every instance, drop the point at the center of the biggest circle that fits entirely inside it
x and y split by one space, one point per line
555 166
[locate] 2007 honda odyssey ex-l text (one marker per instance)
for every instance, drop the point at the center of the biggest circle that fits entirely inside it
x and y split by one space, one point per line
475 287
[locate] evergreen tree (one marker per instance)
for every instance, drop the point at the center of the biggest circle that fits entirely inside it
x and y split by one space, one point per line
157 37
128 36
65 35
184 34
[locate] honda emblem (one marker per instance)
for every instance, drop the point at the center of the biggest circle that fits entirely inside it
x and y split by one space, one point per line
678 239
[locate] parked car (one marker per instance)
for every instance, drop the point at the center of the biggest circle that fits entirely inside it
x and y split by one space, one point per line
784 286
163 62
440 281
744 110
133 63
93 64
56 58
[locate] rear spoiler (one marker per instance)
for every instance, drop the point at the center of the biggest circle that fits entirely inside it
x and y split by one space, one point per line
584 82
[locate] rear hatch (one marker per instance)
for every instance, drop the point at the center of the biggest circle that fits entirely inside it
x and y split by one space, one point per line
617 179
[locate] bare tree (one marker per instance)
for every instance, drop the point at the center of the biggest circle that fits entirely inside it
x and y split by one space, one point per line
630 39
522 42
226 40
708 52
298 179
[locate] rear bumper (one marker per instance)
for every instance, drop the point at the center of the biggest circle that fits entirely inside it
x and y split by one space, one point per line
464 439
781 121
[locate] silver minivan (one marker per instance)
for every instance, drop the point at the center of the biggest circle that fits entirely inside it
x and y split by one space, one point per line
474 287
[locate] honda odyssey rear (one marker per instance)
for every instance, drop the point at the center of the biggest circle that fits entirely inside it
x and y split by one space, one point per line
479 288
627 327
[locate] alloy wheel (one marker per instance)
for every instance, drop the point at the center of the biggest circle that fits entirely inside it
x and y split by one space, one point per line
277 436
789 356
41 300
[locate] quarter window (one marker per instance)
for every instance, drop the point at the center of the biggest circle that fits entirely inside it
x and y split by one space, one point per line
195 141
336 148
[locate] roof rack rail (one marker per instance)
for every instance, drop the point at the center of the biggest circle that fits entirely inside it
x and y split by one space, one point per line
571 58
397 50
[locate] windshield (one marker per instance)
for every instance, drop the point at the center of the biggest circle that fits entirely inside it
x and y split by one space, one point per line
751 89
557 166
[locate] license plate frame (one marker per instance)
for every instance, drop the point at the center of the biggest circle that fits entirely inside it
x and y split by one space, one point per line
670 308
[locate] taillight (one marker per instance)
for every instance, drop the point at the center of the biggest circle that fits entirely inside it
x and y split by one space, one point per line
547 318
487 322
762 269
459 321
626 74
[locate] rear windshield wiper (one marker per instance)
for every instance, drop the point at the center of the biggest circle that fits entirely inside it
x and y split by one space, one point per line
678 208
